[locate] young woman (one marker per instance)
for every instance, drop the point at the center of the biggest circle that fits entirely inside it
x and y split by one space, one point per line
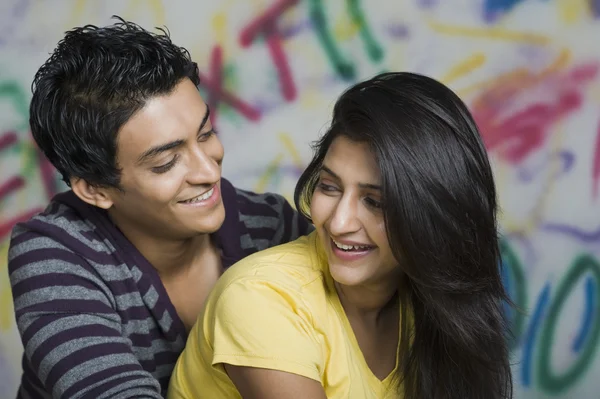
397 294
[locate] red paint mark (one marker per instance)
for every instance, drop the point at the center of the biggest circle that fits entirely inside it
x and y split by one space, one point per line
216 68
596 166
255 27
7 140
16 183
13 184
266 25
216 93
515 135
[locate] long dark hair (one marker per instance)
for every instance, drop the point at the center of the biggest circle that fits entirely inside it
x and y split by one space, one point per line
439 201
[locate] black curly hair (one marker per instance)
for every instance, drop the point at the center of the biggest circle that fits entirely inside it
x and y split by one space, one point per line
92 84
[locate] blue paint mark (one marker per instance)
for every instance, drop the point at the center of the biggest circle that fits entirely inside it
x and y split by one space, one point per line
495 7
588 314
536 319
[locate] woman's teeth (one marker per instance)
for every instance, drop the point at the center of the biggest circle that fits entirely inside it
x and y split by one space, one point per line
345 247
200 198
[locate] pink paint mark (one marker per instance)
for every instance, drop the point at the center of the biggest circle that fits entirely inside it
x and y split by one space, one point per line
7 140
14 183
216 68
515 135
216 93
281 63
266 25
257 26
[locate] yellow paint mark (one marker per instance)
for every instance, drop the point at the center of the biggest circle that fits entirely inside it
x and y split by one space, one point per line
516 74
219 25
155 6
271 171
275 164
345 29
571 11
559 63
77 12
520 77
464 67
490 33
288 143
6 303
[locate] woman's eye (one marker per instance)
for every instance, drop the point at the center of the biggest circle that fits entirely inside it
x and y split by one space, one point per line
327 187
373 203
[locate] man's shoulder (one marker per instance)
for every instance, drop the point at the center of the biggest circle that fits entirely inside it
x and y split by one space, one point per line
265 204
58 229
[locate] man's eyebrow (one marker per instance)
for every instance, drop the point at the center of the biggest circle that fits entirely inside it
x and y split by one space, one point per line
362 185
156 150
205 119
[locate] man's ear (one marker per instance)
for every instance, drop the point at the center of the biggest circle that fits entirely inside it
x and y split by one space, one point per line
93 195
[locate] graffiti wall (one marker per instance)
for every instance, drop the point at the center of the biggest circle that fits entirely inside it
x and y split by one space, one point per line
271 70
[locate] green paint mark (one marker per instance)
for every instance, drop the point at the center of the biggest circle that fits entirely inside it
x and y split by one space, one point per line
13 92
548 380
373 48
343 67
518 291
230 79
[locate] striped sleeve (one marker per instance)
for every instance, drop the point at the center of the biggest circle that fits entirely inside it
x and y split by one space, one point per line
70 331
270 219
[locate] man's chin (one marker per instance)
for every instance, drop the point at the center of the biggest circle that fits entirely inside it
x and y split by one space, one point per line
210 224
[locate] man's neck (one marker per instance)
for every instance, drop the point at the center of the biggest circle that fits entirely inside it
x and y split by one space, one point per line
168 256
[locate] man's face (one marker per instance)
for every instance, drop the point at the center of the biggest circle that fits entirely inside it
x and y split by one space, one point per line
171 160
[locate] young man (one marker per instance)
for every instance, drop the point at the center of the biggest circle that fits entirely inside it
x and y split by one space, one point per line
108 280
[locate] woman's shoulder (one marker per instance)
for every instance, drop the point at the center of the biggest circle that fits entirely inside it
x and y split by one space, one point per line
292 267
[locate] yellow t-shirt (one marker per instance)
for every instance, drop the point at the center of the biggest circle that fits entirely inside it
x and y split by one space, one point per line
277 309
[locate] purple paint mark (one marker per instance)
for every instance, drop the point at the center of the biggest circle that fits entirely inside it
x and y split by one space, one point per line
572 231
398 31
12 18
287 32
595 8
566 158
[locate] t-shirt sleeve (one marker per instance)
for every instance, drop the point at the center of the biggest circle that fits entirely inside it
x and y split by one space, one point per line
256 323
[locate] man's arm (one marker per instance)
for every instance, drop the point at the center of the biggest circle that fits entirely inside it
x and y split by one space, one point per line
255 383
68 325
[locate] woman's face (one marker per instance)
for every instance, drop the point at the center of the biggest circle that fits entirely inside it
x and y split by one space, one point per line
346 210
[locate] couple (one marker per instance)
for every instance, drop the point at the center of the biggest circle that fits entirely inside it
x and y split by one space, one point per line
395 292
